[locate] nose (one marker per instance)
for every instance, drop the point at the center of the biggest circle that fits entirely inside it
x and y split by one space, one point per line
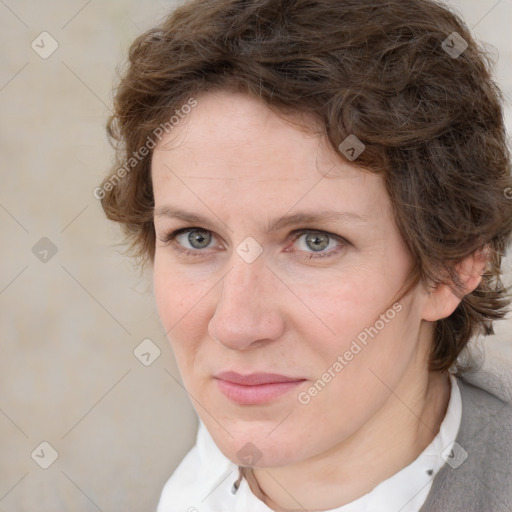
247 313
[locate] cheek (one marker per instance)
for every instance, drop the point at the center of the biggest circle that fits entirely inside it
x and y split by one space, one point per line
345 305
169 296
369 335
179 300
177 290
354 373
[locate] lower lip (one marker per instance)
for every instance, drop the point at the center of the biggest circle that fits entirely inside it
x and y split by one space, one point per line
254 395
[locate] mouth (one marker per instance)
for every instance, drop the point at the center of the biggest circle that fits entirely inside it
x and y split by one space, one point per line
255 388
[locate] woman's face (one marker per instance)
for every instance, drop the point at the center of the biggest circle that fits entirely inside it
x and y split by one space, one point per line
288 262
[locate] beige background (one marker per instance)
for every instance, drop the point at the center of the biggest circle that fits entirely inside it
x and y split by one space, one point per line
70 325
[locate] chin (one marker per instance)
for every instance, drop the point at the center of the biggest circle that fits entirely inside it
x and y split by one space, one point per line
252 446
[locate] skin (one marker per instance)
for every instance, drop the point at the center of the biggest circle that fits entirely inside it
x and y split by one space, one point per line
239 165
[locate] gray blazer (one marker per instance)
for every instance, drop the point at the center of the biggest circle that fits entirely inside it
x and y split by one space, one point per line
482 482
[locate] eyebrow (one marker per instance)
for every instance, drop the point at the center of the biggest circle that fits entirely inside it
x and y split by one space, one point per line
274 225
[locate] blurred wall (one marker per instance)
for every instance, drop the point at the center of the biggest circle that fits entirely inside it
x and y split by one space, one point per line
80 396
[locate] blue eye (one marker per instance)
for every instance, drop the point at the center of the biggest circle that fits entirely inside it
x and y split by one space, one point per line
189 241
196 238
314 244
316 241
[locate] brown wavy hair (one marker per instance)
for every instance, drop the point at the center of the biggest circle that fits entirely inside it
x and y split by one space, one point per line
431 121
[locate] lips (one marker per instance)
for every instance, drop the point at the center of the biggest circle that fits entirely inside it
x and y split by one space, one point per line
255 388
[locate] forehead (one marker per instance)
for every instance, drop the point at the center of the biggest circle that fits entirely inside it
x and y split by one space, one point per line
236 130
232 150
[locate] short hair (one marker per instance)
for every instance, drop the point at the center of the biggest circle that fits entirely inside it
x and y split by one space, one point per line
405 77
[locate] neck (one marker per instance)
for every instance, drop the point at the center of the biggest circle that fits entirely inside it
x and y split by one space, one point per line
391 440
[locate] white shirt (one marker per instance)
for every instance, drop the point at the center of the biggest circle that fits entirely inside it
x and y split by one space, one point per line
203 482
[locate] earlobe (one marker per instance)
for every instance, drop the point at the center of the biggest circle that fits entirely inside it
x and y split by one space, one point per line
442 300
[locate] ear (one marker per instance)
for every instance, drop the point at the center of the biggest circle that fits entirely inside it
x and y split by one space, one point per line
443 300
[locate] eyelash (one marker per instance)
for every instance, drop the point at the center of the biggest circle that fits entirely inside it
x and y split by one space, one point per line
171 236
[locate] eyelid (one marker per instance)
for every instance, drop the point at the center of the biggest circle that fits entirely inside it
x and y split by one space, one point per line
170 236
297 233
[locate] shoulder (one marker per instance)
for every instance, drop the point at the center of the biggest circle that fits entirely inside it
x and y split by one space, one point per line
486 423
483 402
480 475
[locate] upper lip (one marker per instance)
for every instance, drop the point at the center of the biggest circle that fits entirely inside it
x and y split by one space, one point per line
255 379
